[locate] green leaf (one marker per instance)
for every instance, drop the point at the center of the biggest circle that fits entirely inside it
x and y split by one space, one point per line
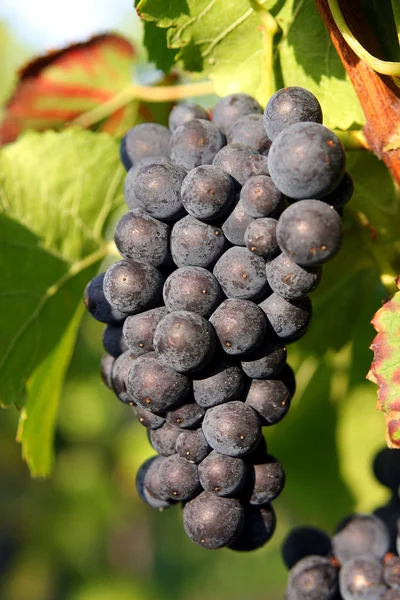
385 368
155 41
57 191
224 40
37 420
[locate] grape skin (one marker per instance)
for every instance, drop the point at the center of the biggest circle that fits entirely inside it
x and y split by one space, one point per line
360 578
222 475
149 419
148 474
155 386
231 108
157 189
289 319
147 140
195 143
131 286
106 366
164 439
213 522
187 415
179 479
220 382
235 226
240 326
207 192
192 445
260 238
312 578
241 274
119 375
260 197
232 428
309 232
259 526
140 237
97 305
288 106
266 480
138 330
192 289
196 244
306 160
249 130
290 280
342 193
241 162
182 113
358 532
391 572
113 340
267 361
305 541
270 398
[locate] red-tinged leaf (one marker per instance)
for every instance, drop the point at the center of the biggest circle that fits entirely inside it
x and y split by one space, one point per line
385 368
56 88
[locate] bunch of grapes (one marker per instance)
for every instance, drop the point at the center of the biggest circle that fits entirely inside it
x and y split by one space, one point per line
229 222
361 561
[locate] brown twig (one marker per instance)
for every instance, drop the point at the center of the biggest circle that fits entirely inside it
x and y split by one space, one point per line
378 95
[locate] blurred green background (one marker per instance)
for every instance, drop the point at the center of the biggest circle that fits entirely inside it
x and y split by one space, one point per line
84 534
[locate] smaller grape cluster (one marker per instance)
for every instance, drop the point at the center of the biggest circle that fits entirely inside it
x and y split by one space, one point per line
361 561
230 219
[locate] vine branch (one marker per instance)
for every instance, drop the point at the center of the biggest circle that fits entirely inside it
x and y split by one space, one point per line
378 95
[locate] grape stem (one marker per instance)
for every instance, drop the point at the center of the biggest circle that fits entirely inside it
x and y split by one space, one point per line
378 95
383 67
146 93
269 28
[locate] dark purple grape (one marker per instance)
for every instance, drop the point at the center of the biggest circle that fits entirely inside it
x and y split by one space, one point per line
213 522
391 572
192 445
289 280
267 361
140 237
155 386
182 113
186 415
305 541
193 289
138 330
148 474
387 468
288 318
260 197
97 305
249 130
309 232
360 578
266 480
241 162
312 578
359 533
259 526
196 244
232 428
241 274
195 143
288 106
119 375
184 341
306 160
270 398
342 193
222 475
157 189
234 227
179 479
123 154
207 192
164 439
131 286
152 481
106 366
148 419
390 515
230 108
260 238
147 140
240 326
113 340
220 382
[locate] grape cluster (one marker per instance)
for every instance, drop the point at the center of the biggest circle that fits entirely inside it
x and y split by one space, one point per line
361 561
229 221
